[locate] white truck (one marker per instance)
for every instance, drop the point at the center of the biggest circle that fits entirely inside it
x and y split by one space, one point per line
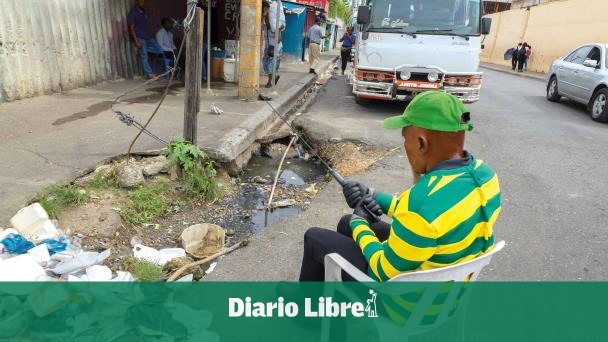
406 47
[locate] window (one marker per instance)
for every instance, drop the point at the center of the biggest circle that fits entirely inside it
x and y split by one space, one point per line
595 55
579 55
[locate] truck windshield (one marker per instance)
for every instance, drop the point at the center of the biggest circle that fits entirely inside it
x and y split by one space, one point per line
429 16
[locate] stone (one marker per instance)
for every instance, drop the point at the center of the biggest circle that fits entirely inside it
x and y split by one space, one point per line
130 174
203 240
259 180
229 232
276 151
155 165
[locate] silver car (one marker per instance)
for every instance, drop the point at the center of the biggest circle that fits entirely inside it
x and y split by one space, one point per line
582 76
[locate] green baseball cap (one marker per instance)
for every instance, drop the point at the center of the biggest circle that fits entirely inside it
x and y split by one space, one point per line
433 110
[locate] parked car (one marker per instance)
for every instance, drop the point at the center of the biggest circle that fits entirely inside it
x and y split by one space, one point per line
582 76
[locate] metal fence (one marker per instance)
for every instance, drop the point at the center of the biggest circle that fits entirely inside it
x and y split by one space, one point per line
53 45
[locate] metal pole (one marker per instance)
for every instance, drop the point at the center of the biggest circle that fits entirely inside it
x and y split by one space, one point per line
276 45
208 65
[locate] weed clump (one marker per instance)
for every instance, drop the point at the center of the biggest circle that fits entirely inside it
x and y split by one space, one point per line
104 180
197 171
57 198
147 203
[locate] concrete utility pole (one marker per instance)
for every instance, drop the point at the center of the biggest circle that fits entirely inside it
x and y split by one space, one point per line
249 50
194 67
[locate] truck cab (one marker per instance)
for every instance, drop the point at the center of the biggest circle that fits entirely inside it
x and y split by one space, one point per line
409 46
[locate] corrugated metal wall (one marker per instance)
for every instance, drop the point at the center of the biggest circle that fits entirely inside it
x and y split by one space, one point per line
54 45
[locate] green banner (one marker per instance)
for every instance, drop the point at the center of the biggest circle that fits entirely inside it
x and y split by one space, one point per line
246 311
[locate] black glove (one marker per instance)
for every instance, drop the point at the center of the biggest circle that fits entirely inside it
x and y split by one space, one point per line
368 209
354 192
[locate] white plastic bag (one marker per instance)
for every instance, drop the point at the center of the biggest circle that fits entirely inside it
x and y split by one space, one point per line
80 262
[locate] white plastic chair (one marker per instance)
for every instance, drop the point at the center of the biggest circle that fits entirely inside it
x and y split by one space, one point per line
458 273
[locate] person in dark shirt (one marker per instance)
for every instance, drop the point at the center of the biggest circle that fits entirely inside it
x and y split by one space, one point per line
522 57
138 29
348 41
515 55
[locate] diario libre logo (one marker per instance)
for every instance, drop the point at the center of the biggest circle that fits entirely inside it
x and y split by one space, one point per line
321 307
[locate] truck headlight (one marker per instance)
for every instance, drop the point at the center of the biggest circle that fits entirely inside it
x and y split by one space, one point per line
405 75
433 76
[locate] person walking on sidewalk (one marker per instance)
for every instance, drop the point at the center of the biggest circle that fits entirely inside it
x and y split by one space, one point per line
315 35
137 20
447 216
514 56
269 16
348 40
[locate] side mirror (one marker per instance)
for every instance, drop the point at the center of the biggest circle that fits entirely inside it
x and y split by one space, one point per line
591 63
486 25
363 15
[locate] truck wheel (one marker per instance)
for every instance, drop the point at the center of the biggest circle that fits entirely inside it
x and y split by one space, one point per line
361 101
598 106
552 91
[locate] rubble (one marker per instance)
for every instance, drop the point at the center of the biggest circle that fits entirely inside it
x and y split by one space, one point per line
283 203
155 165
277 151
130 174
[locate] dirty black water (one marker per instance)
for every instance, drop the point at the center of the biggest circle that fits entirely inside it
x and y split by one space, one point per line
297 175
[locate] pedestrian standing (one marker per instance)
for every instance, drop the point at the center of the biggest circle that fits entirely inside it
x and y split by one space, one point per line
137 20
528 54
348 41
521 57
514 57
269 17
315 35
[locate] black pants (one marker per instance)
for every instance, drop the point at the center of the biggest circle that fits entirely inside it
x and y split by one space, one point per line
345 54
514 63
318 242
520 64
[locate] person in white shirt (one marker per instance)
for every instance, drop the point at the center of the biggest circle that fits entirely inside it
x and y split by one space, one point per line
164 38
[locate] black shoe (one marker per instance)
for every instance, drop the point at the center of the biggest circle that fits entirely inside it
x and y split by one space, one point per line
312 71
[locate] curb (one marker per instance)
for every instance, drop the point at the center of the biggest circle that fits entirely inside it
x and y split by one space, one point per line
520 74
237 143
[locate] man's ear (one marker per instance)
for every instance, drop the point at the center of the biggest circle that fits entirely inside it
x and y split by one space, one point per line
423 144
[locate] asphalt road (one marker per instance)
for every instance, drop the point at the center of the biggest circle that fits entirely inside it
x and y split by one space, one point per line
550 158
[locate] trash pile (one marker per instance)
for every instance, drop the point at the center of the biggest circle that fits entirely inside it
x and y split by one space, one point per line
35 249
94 312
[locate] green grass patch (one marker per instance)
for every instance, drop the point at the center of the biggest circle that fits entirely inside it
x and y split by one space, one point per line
57 198
198 172
104 180
145 270
147 203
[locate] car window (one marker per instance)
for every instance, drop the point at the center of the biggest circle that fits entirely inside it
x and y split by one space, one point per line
595 55
579 55
570 56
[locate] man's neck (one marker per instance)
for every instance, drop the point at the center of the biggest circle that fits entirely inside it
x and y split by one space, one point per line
434 162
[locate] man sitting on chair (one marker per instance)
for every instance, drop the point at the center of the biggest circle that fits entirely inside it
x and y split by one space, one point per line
444 219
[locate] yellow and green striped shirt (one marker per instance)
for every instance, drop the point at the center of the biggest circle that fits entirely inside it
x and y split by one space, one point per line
444 219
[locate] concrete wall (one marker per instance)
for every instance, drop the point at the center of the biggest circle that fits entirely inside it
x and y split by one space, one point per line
552 29
53 45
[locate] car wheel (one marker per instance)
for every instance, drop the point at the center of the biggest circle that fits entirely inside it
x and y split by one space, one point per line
361 101
599 106
552 91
